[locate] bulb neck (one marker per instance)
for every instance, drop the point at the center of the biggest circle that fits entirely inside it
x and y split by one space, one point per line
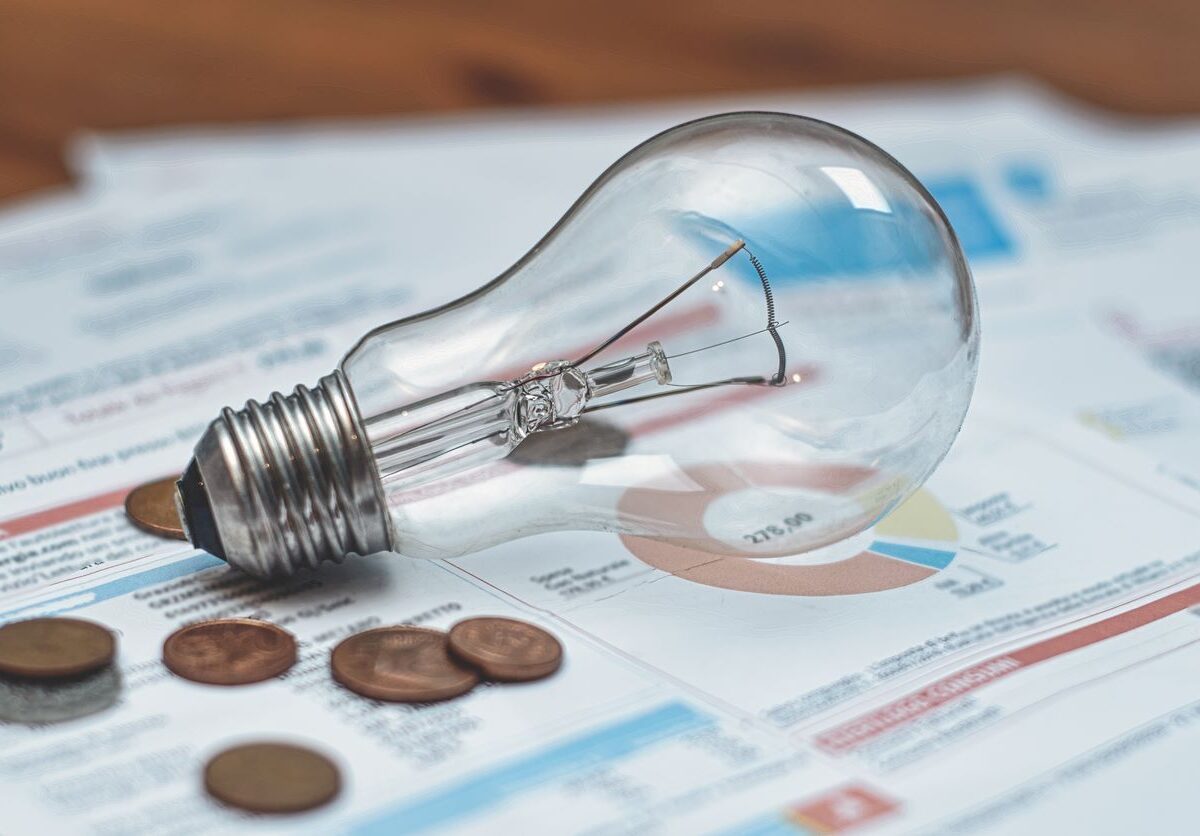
285 484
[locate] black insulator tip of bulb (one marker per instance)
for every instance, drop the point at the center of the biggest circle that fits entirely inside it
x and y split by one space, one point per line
197 512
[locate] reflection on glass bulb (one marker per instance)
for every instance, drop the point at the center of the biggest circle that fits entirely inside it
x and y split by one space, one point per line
739 298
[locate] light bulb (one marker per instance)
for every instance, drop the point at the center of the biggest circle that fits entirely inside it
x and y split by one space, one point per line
755 334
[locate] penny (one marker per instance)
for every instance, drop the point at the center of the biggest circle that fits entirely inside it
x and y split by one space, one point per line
401 664
272 778
53 648
229 651
506 650
151 507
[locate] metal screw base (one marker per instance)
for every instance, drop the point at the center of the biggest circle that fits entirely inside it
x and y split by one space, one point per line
286 484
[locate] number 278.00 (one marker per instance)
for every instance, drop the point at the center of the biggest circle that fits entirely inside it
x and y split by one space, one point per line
788 525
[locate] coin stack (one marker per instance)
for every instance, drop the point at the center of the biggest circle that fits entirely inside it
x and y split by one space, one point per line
56 669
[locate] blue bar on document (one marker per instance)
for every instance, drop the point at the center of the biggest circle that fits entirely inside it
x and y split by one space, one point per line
116 588
979 231
502 783
771 825
921 555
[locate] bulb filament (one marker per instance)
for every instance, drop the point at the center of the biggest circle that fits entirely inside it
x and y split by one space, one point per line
483 422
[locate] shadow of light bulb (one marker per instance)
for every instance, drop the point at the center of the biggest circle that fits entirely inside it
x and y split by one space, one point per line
575 446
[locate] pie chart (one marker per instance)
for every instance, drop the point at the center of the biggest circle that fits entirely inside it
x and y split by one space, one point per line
914 542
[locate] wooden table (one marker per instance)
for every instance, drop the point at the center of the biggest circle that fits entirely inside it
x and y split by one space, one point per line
69 65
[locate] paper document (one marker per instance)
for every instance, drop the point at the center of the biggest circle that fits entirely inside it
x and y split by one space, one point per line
1011 650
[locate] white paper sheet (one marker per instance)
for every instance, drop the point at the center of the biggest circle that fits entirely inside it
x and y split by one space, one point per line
1032 674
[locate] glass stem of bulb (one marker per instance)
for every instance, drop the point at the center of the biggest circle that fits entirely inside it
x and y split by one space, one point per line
478 424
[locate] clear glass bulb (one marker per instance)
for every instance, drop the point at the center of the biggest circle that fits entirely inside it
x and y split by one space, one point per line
755 334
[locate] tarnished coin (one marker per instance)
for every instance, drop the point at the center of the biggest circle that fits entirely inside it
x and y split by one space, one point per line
229 651
401 664
30 701
52 648
151 507
272 778
506 650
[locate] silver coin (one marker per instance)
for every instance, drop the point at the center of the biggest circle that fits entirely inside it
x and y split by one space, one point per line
31 701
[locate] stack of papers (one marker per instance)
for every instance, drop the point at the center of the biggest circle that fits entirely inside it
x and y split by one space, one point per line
1038 680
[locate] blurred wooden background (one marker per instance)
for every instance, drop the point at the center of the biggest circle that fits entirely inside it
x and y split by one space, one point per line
67 65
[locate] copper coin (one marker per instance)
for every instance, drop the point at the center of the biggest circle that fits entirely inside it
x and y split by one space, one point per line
272 778
505 649
151 507
52 648
401 664
229 651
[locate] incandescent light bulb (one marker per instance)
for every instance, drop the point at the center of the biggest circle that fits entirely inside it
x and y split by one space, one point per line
755 334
